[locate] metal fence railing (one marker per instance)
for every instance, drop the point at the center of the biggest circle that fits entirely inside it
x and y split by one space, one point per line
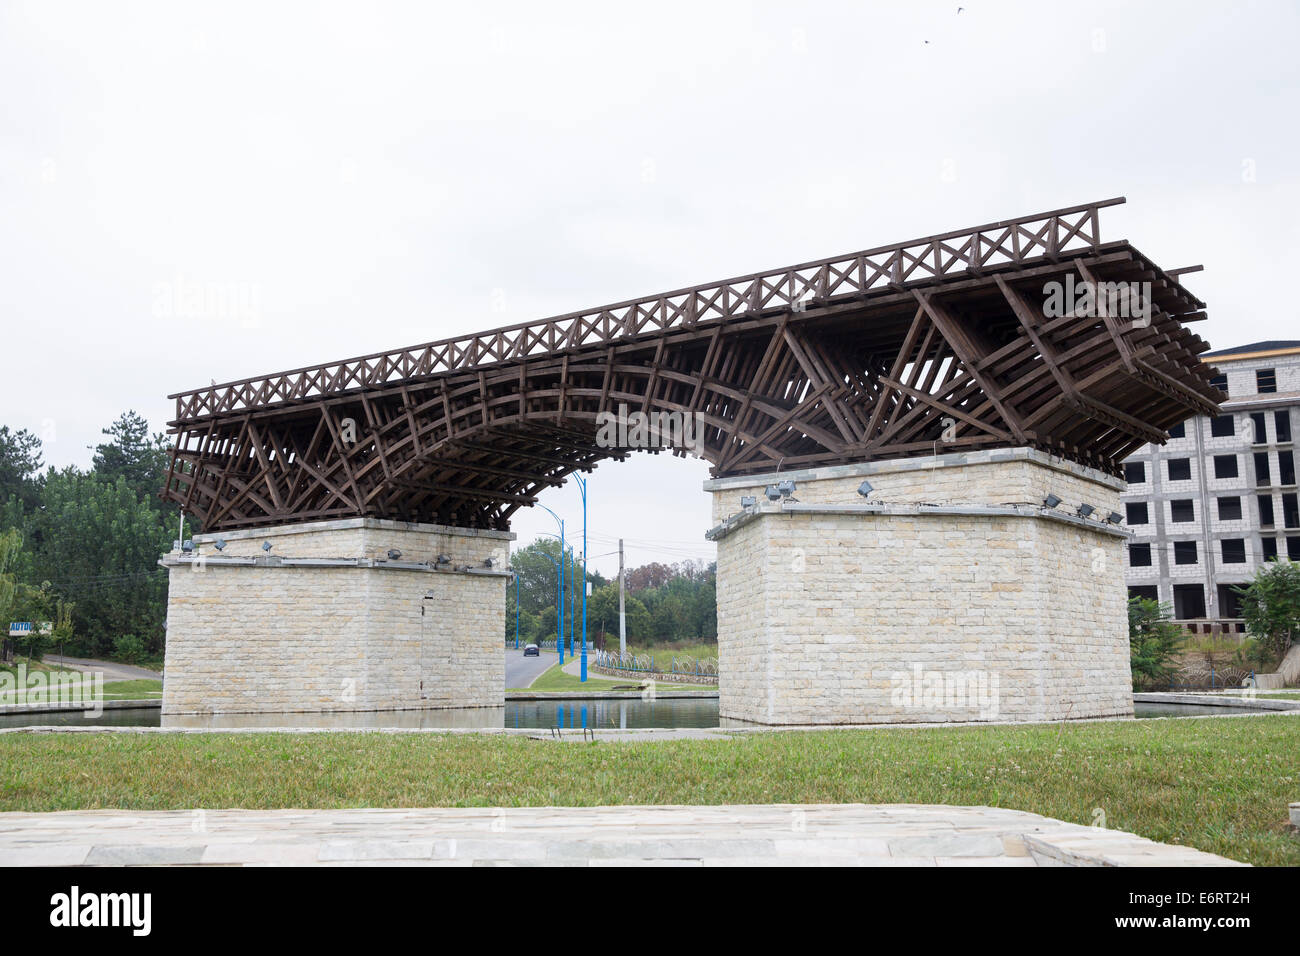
679 668
683 669
1205 676
550 645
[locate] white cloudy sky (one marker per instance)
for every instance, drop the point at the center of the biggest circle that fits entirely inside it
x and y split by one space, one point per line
363 176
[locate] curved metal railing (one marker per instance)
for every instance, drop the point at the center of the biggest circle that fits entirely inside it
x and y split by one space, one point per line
681 669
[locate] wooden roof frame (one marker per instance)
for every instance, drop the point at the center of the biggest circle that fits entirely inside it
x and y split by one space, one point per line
877 354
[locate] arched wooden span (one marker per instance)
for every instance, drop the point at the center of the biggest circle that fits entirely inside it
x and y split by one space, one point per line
937 344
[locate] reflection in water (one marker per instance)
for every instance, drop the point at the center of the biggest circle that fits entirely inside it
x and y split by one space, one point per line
471 717
135 717
614 714
522 714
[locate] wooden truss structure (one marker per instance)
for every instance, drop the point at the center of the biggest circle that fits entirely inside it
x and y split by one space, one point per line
941 344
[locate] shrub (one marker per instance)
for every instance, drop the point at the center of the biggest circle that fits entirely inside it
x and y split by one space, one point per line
1270 605
1255 655
1153 641
129 649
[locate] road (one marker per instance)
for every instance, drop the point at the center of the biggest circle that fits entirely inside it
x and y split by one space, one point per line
522 671
110 669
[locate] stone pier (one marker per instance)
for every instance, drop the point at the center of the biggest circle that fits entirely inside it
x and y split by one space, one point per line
349 615
951 593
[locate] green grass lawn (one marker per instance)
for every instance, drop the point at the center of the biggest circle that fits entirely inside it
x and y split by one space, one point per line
31 667
1218 784
554 681
141 689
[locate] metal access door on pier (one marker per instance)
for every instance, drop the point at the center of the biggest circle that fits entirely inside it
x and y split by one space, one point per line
437 650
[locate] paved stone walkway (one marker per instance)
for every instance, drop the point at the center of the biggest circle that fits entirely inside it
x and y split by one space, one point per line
853 834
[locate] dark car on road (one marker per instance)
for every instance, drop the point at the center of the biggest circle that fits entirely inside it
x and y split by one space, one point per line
532 650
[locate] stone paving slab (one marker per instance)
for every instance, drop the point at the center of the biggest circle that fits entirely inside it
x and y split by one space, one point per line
760 835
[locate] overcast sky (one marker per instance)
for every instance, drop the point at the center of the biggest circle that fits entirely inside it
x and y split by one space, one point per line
338 179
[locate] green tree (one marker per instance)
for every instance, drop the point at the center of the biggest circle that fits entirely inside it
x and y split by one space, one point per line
11 545
20 465
670 618
64 631
92 538
684 605
133 455
639 628
704 610
602 610
529 621
529 627
1270 605
23 602
602 616
535 566
98 544
1154 640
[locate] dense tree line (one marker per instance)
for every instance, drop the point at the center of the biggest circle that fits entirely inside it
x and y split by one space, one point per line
84 544
663 603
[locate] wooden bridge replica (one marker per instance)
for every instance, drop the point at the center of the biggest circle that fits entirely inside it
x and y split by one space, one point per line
985 368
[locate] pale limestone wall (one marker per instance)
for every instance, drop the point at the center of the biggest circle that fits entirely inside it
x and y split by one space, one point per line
273 638
365 538
1002 476
746 651
823 618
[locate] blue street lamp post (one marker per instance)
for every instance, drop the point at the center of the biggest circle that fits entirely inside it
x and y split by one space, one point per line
559 619
573 602
516 611
559 638
568 556
582 487
573 623
559 610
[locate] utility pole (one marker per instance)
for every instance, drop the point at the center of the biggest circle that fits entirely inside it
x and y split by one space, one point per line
622 616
